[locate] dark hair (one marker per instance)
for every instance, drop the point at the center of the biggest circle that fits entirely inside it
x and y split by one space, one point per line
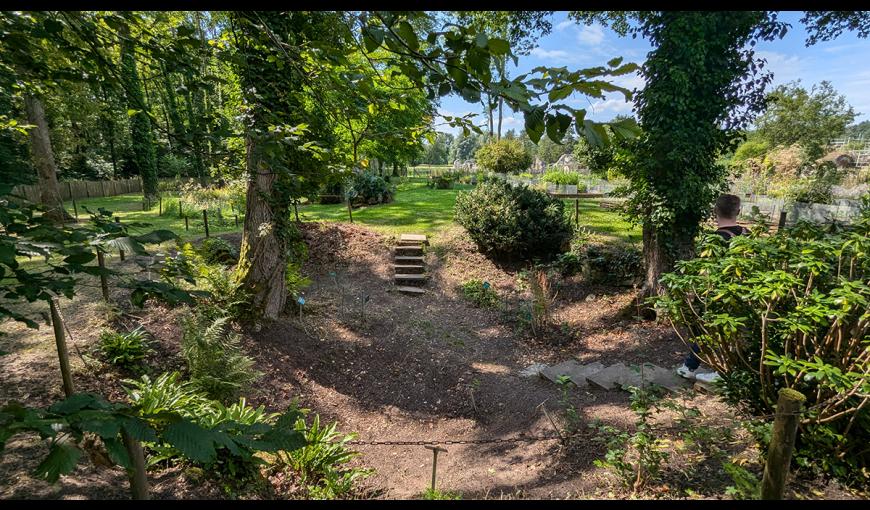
727 206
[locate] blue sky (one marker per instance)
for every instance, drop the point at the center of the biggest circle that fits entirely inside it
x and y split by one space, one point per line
842 61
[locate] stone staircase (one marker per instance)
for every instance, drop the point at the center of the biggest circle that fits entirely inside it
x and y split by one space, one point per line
409 265
616 376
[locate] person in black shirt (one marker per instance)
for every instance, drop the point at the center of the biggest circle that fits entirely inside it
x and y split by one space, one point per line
726 210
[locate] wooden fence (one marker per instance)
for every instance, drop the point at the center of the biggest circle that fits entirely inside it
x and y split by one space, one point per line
83 189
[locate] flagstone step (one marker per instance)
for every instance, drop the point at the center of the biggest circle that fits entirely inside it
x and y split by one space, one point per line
405 289
577 372
403 259
618 375
416 250
410 278
415 238
409 269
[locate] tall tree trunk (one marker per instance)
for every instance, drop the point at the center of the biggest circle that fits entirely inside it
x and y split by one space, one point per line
141 134
171 108
43 160
194 132
489 111
500 106
263 258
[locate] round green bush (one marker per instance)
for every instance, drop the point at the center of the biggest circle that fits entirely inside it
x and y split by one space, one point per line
368 188
513 222
216 250
559 177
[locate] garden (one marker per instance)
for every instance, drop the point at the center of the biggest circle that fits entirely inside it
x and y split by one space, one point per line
233 329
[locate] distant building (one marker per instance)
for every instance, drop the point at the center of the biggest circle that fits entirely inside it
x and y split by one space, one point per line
566 163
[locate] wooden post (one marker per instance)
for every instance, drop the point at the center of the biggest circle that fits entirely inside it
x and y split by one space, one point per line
435 450
138 478
785 424
104 286
160 210
120 251
186 227
180 213
576 211
62 353
205 221
349 210
236 220
782 215
296 210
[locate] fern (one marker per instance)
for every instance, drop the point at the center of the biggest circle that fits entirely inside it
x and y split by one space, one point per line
215 359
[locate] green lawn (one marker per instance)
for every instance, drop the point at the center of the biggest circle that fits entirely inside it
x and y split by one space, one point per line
129 209
416 208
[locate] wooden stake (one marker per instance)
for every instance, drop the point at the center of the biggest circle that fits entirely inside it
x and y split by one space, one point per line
62 353
104 286
296 210
160 210
785 424
435 450
180 214
349 210
576 211
781 220
186 226
205 221
138 478
236 219
120 251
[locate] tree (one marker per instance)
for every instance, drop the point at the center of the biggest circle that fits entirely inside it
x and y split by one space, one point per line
550 151
438 151
703 85
141 135
810 119
861 129
43 160
503 156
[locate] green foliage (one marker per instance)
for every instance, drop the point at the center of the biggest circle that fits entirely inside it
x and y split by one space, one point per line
751 148
610 262
513 222
124 349
141 134
648 451
480 293
810 119
560 177
216 250
320 464
369 188
746 484
215 358
438 494
787 311
503 156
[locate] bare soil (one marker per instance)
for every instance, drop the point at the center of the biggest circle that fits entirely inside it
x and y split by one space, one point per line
393 367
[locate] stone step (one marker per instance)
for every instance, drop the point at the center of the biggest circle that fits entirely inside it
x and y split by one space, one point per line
618 375
400 259
410 278
414 238
410 290
409 250
577 372
408 269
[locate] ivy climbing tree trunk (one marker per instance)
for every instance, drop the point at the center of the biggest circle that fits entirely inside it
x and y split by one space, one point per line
141 133
263 257
43 160
194 131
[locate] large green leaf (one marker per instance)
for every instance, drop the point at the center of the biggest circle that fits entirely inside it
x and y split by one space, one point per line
156 236
534 122
62 459
498 46
117 452
406 32
195 442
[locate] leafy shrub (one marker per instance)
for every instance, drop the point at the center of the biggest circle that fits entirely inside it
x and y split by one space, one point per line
320 464
610 262
787 311
171 165
124 349
215 358
443 181
513 222
558 177
480 293
216 250
503 156
331 193
369 188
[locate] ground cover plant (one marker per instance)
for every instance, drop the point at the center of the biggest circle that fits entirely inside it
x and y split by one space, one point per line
124 349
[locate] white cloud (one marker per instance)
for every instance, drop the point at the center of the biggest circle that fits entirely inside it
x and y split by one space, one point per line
565 24
592 35
630 81
556 55
612 105
784 67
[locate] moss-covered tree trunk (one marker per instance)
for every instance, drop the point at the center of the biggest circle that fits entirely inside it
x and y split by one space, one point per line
141 133
178 131
263 258
194 130
43 160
